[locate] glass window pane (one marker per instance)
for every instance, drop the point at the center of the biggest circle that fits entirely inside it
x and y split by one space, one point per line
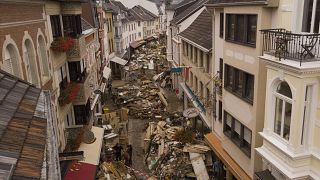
252 28
284 89
247 135
240 28
278 115
239 81
229 119
249 86
287 121
237 127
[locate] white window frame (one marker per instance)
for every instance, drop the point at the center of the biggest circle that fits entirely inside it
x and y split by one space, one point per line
285 100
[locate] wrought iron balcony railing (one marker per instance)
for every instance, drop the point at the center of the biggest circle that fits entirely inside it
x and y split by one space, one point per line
303 47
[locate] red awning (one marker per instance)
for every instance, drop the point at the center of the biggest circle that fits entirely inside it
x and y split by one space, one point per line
81 171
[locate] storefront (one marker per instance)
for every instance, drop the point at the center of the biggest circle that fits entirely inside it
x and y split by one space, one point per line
232 170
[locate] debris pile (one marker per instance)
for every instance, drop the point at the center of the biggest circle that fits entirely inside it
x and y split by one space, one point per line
142 95
174 152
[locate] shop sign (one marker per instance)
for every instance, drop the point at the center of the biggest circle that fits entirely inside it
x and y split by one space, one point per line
176 70
191 112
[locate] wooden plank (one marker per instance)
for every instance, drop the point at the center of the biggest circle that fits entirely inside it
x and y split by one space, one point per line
198 166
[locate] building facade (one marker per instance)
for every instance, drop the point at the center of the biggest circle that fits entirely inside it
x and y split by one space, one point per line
240 102
75 68
291 147
197 84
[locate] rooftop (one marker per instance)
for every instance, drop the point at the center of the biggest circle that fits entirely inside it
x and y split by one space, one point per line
143 14
188 12
22 128
200 31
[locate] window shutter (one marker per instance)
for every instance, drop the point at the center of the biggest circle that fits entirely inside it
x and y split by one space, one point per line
8 65
247 135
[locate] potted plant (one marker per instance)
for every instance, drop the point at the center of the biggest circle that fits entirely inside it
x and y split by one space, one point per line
62 44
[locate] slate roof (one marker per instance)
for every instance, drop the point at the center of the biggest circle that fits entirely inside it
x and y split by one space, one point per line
188 12
22 129
235 2
200 31
143 14
120 5
175 6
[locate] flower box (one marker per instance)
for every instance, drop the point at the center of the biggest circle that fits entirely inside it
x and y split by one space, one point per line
62 44
69 94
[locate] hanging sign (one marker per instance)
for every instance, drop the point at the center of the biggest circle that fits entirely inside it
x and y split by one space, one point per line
191 112
176 70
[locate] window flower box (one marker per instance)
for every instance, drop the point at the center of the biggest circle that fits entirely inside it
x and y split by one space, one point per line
62 44
69 94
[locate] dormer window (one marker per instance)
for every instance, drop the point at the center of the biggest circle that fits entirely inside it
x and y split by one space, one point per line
283 110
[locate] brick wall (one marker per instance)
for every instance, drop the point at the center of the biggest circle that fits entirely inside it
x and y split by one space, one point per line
20 12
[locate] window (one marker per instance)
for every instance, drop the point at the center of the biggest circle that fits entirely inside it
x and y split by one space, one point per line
139 23
238 133
221 69
311 16
43 56
221 25
241 28
55 26
62 77
239 83
283 110
30 62
139 34
11 63
220 111
77 71
72 25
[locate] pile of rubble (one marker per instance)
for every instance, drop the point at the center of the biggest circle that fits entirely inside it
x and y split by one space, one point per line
176 157
142 94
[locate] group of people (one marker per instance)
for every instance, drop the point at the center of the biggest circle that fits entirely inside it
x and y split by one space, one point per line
119 152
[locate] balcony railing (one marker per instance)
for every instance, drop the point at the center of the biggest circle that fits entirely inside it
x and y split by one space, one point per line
79 48
85 90
283 44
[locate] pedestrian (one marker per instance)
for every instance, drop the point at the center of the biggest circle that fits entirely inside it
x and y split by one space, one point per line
129 153
118 148
110 88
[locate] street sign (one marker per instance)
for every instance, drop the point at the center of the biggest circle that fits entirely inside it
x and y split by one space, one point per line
191 112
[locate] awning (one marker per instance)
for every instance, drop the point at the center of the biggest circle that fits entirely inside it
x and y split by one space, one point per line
215 144
106 72
81 171
119 61
96 98
195 104
137 44
92 151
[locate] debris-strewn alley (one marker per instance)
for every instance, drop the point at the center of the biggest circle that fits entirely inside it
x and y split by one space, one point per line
141 110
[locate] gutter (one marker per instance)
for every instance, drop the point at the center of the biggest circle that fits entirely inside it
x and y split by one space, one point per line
195 44
238 4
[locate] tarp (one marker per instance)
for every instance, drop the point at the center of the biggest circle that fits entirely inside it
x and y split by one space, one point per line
119 61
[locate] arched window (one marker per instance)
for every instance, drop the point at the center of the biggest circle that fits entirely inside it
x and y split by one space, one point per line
283 110
43 56
30 62
11 61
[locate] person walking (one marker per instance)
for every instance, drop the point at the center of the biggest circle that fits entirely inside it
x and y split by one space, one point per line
129 154
117 148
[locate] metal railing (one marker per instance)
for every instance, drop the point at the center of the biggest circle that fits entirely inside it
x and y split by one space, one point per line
303 47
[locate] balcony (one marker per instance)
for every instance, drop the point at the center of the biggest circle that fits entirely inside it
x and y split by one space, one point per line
85 90
79 48
283 44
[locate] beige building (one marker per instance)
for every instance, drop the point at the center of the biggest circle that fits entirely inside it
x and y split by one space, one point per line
197 88
240 103
291 146
75 68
